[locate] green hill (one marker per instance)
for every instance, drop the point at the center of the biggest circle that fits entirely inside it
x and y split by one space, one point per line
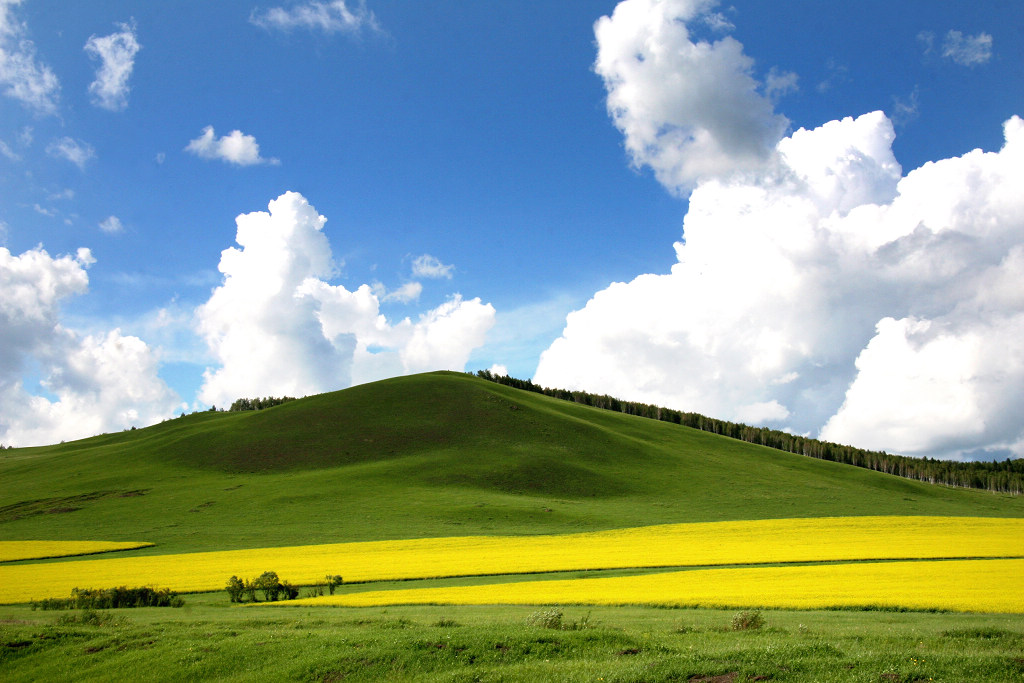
427 455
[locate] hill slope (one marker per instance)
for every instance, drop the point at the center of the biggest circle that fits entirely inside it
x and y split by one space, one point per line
427 455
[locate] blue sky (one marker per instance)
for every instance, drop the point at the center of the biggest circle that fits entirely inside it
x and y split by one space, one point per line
478 180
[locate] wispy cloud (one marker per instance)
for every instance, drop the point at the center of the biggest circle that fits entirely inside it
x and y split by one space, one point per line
905 110
336 16
22 76
234 148
6 150
116 53
407 293
967 50
111 225
428 266
963 50
75 151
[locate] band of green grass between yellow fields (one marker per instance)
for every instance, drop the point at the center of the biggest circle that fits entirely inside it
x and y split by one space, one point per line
673 545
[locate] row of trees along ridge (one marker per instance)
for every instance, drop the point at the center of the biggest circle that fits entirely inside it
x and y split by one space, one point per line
1005 476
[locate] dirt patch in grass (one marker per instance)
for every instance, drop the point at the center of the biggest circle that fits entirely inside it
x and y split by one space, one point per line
50 506
720 678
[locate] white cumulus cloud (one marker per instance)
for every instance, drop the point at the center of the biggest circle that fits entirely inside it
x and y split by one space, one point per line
87 384
234 148
820 290
116 53
688 108
831 295
335 16
277 326
22 76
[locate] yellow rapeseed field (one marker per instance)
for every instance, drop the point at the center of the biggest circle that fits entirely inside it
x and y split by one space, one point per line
673 545
35 550
957 585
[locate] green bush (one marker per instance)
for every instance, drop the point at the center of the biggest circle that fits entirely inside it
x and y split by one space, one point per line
747 621
235 589
270 584
553 618
546 618
90 617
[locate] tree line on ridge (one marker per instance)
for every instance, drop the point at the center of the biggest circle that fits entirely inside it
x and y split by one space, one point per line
1006 476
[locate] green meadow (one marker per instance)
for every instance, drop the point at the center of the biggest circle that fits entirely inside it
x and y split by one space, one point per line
448 454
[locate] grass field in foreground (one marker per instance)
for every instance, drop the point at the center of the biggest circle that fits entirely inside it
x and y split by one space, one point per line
11 551
957 585
714 543
210 640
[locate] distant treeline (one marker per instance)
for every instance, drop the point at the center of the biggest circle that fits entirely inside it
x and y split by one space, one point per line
1005 476
258 403
113 598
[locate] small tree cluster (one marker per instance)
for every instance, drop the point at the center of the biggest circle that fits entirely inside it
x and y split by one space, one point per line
267 583
112 598
258 403
329 583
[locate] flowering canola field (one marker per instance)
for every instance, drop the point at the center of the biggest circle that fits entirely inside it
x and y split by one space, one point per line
672 545
959 585
36 550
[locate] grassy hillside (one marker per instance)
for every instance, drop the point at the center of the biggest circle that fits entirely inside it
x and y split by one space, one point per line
428 455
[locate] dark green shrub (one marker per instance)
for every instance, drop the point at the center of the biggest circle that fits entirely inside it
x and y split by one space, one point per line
113 598
235 589
269 583
289 591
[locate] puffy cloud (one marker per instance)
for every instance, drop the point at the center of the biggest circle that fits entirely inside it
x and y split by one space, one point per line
87 384
276 326
444 337
817 288
233 148
111 225
830 294
967 50
688 108
335 16
116 53
21 75
76 151
428 266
